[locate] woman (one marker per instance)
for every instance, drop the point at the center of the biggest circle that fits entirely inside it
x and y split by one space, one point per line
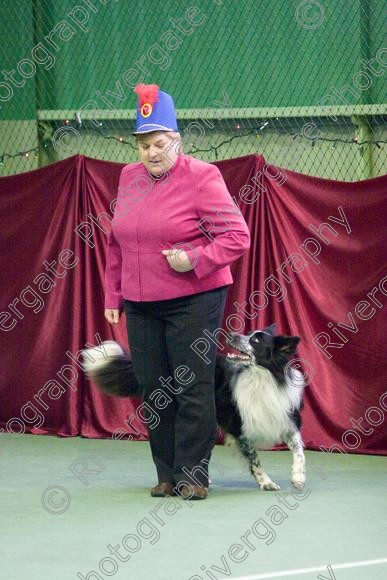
174 234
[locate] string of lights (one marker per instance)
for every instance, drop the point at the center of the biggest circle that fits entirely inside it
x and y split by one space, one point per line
33 152
338 140
30 152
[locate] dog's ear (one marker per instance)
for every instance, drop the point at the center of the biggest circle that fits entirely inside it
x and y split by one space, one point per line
286 344
272 329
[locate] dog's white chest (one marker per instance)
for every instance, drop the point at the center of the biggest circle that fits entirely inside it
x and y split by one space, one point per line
264 406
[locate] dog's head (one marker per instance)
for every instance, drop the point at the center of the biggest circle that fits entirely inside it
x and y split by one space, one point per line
261 347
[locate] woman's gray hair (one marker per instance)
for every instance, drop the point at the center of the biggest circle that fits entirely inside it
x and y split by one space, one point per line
175 136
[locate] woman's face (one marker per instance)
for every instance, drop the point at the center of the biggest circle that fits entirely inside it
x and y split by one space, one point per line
158 151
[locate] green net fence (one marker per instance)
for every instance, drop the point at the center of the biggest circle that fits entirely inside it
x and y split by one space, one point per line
301 82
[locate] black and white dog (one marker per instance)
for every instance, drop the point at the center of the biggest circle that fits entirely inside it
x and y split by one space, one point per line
258 394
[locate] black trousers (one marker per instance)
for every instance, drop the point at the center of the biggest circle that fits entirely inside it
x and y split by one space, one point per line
161 335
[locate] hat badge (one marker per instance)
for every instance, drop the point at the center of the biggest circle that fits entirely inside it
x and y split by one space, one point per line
146 110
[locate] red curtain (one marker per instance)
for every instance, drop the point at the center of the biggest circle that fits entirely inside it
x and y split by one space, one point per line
316 267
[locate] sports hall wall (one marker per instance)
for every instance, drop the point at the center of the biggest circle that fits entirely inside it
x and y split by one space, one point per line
302 83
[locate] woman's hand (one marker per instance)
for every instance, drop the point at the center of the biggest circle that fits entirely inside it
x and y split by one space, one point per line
112 315
178 260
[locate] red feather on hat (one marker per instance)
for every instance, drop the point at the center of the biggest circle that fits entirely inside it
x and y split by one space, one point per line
146 94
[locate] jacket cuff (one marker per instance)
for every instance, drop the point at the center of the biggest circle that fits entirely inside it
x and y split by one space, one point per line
197 265
112 303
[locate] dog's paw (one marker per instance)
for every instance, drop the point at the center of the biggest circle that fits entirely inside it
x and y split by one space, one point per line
298 484
269 486
298 472
229 441
298 478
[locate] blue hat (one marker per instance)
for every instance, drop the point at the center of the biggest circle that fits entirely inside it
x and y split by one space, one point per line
155 111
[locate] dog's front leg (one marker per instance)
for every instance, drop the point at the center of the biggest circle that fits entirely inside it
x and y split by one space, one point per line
250 453
295 444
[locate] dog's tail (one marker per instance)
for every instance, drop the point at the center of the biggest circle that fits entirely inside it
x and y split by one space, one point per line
112 372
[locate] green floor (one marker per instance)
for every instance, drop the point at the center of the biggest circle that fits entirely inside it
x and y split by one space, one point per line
342 520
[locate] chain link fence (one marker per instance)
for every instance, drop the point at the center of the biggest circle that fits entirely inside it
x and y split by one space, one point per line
301 82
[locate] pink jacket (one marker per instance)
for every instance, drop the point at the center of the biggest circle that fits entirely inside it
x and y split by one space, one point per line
190 208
